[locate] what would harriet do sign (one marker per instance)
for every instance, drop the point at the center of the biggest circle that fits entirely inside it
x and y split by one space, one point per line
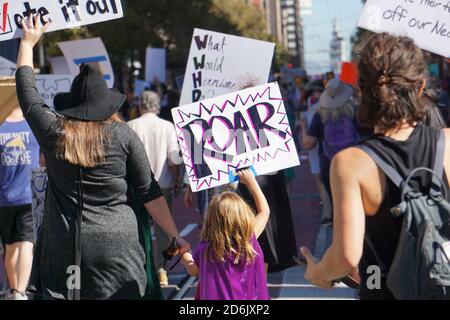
425 21
64 14
221 63
248 128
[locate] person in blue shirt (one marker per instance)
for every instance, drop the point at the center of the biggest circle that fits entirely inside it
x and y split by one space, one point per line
19 155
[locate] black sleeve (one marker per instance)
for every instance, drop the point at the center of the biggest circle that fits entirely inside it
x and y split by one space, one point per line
139 171
41 119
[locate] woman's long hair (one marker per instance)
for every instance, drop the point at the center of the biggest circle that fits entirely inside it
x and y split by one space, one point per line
84 143
229 228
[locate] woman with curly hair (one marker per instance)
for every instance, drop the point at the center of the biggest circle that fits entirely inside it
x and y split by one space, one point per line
392 81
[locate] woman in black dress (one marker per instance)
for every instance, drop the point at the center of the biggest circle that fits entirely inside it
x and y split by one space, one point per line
91 245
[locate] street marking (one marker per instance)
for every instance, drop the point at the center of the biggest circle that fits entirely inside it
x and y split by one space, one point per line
188 229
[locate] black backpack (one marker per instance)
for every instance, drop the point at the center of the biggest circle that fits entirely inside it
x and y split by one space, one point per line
421 266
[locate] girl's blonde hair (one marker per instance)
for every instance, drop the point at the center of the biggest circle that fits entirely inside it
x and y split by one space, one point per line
83 143
229 228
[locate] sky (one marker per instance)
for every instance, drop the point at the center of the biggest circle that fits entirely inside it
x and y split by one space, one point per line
319 26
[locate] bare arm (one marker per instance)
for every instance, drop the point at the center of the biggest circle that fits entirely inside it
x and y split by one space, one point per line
32 33
345 252
160 212
188 262
262 206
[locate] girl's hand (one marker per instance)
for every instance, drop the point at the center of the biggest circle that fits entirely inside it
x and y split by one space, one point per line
247 177
32 30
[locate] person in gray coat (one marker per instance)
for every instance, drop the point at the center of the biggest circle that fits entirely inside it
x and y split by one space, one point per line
91 244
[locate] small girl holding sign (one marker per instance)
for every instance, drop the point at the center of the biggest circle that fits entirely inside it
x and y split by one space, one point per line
229 261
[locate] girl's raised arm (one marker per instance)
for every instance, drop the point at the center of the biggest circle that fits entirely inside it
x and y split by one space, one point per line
262 207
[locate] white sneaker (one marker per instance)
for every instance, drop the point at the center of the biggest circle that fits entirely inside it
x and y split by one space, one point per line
16 295
20 296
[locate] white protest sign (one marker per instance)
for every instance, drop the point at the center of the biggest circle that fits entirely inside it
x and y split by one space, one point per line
425 21
220 63
91 50
59 65
155 65
7 68
39 182
139 87
237 130
49 85
64 14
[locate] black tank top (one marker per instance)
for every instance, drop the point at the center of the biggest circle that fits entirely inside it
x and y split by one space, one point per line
382 228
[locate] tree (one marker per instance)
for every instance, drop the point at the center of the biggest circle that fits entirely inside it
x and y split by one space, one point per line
166 24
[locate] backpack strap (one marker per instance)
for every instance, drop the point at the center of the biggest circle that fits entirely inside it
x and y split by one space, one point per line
387 169
439 161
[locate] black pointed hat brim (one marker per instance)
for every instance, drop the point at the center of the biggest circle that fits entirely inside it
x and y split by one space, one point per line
68 105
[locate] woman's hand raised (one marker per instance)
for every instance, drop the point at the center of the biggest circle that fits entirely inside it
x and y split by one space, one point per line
32 30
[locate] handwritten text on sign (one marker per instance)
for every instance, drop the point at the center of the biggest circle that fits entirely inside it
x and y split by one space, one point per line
48 85
218 136
425 21
64 14
220 63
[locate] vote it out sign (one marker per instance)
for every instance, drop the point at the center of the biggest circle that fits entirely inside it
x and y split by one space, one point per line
64 14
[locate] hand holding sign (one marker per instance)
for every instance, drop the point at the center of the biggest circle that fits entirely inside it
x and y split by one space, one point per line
64 14
32 30
247 177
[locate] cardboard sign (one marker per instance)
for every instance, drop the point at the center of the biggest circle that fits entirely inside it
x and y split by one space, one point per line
139 87
425 21
39 182
7 68
247 128
49 85
64 14
220 63
8 97
59 65
91 50
155 65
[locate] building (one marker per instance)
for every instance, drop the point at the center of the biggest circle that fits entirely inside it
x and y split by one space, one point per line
274 18
284 23
338 50
271 9
293 31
